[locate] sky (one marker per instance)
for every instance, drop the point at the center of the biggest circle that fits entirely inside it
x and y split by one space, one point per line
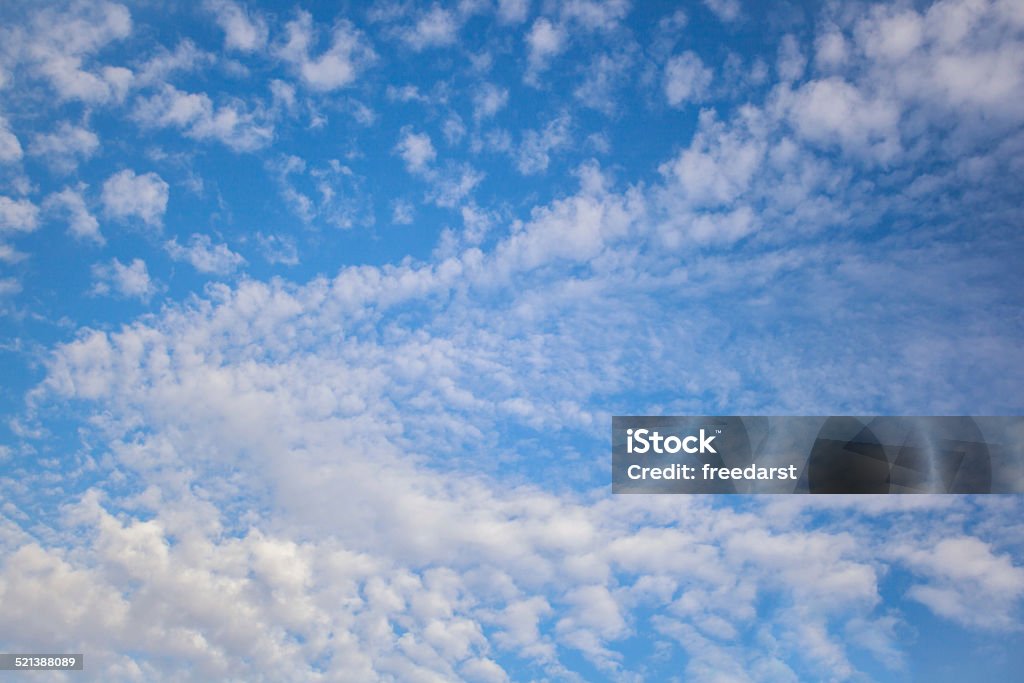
313 318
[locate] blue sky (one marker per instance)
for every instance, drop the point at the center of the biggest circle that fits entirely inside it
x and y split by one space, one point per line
314 318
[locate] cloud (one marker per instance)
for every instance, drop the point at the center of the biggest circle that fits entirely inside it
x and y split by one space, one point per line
195 114
791 61
544 41
406 93
718 166
606 74
243 31
10 255
10 148
831 49
278 249
427 573
453 184
726 10
8 285
386 471
63 148
18 215
513 11
81 223
436 27
59 43
954 67
126 195
969 583
205 256
534 153
336 67
416 151
833 112
488 100
130 281
595 15
331 192
686 79
161 66
402 213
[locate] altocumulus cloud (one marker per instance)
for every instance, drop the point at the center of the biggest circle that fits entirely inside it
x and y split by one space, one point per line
379 453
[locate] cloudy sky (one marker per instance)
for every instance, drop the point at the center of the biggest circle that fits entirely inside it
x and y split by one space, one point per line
313 319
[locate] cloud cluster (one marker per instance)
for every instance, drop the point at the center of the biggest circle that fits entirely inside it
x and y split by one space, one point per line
127 280
396 471
345 546
127 196
58 46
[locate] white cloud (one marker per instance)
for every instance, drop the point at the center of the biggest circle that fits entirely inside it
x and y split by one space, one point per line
476 223
718 166
63 148
513 11
335 194
832 111
294 390
483 670
416 151
576 228
488 100
243 31
969 583
534 154
544 41
130 281
214 542
605 74
278 249
18 215
336 67
453 184
831 49
8 285
726 10
195 114
721 228
405 93
10 255
686 79
81 223
891 34
126 195
453 129
10 148
791 61
205 256
402 212
595 15
954 69
158 68
436 27
60 42
417 571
